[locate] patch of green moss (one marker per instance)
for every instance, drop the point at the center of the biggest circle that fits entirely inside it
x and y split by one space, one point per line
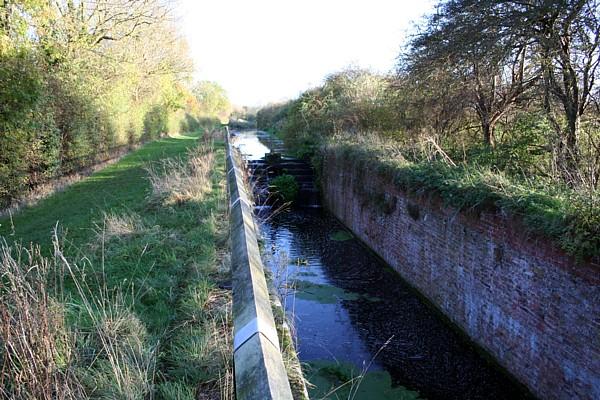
326 294
343 381
341 236
320 293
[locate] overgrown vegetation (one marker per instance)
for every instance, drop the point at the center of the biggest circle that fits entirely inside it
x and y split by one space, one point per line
243 118
493 105
131 308
285 187
81 80
569 217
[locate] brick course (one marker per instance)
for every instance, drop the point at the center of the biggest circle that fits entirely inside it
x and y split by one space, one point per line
532 307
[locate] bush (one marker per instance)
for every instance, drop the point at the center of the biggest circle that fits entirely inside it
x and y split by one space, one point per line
155 122
67 104
286 187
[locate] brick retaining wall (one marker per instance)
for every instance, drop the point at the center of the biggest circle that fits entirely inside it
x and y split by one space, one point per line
526 302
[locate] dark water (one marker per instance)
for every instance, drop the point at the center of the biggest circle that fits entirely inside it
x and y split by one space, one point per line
353 313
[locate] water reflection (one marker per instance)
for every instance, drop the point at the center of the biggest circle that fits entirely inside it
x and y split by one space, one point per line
250 145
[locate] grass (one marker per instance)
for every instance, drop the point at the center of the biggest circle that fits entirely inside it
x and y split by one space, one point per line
132 307
119 187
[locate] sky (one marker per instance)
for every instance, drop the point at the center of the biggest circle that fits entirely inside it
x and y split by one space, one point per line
263 51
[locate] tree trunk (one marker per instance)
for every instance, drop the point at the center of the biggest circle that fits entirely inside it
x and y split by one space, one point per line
488 134
571 148
488 127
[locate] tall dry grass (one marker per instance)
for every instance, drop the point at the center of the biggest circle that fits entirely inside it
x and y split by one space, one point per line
36 347
176 181
115 357
106 356
116 225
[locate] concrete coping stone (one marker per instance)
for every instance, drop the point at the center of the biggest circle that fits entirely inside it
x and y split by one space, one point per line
257 325
259 369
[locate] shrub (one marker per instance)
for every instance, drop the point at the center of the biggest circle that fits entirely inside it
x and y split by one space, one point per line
286 187
155 122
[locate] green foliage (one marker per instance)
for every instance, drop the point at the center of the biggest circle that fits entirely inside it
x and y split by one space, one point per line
21 84
272 117
67 100
352 100
156 122
421 129
213 100
176 391
521 149
285 186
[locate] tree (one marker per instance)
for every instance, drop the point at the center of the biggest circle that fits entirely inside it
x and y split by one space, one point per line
464 39
213 100
501 49
567 35
79 78
90 23
434 105
356 99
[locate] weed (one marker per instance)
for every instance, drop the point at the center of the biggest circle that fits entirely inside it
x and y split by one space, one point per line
37 348
286 187
176 181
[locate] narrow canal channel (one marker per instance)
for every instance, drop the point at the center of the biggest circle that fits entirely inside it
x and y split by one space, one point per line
354 316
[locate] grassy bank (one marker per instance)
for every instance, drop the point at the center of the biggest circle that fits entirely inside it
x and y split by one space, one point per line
131 307
119 187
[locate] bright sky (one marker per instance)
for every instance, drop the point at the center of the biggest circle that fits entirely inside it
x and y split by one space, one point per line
270 50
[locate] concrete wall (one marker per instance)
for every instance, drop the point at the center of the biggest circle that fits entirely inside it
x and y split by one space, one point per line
531 306
259 370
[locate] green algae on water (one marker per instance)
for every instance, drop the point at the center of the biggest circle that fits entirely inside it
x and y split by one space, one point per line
341 236
333 381
320 293
326 294
307 273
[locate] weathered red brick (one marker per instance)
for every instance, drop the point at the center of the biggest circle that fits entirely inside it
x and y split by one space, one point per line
534 308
